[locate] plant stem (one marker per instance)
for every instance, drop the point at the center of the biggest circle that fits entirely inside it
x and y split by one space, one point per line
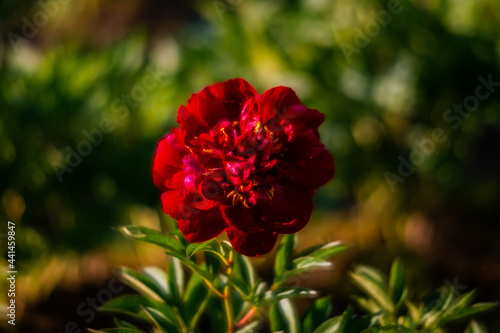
227 296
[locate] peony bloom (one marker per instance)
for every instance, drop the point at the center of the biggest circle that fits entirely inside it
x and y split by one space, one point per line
243 163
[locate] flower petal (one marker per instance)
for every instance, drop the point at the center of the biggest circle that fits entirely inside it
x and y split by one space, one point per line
252 244
290 209
274 103
302 118
201 225
173 202
213 104
168 159
314 172
242 218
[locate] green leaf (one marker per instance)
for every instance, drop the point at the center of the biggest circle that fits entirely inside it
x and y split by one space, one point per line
196 294
132 305
347 316
154 237
159 279
397 284
283 317
216 316
324 251
289 293
243 269
205 275
164 320
300 265
475 309
316 314
212 246
284 253
414 312
476 327
372 282
367 304
329 326
175 281
123 324
240 285
250 327
140 283
117 330
449 312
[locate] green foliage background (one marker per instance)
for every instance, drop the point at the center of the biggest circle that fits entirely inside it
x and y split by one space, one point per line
443 219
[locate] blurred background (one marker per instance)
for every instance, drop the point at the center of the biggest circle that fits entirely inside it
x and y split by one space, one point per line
89 87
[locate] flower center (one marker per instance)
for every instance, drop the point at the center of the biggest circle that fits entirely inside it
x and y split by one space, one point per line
233 164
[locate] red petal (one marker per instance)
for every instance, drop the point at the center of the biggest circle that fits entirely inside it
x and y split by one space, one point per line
290 209
242 218
274 103
315 172
214 104
252 244
176 182
168 159
173 202
302 118
201 225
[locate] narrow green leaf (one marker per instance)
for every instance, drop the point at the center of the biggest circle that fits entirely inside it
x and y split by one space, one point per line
157 327
461 302
212 246
316 314
324 251
243 269
478 308
476 327
329 326
240 285
205 275
117 330
167 322
154 237
283 317
372 283
367 304
397 284
175 280
140 283
414 312
131 306
289 293
120 323
250 327
284 254
347 317
301 265
159 279
196 293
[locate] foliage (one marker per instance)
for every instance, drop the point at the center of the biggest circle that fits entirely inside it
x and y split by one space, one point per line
225 291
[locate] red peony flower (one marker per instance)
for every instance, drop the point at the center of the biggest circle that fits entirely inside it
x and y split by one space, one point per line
244 163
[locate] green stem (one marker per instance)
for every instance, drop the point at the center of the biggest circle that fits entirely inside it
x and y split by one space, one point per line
227 297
